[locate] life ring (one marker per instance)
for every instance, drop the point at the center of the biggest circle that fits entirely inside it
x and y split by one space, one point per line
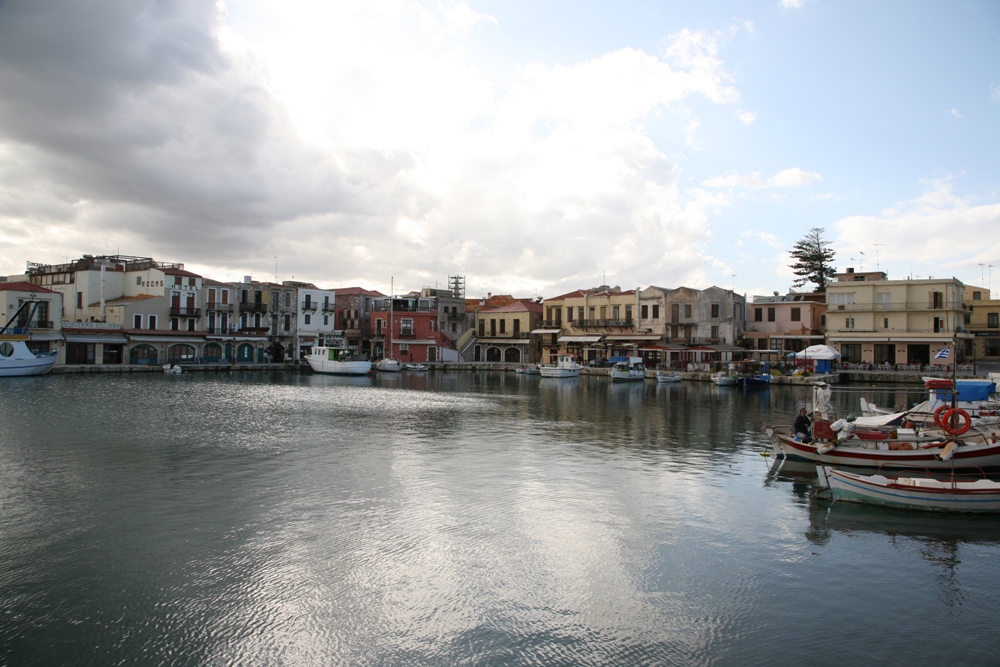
937 415
950 419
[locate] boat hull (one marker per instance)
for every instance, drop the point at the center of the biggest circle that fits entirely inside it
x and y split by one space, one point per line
327 367
914 493
669 377
23 362
558 372
627 376
723 380
389 366
872 455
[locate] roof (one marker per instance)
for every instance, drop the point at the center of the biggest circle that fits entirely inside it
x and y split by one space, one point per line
351 291
519 307
211 282
180 272
128 299
491 301
26 287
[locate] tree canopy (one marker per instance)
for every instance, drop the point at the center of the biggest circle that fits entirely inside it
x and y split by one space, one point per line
814 260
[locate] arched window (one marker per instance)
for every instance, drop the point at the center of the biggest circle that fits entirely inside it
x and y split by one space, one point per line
180 354
212 353
512 355
493 354
142 354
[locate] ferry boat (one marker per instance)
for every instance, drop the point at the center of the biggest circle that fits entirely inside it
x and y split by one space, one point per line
337 361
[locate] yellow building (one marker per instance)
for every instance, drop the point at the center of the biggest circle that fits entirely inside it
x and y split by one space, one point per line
983 322
897 322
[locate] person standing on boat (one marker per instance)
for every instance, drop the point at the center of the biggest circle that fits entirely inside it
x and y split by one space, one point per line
802 426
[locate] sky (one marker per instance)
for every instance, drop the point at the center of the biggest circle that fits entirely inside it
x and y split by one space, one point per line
533 147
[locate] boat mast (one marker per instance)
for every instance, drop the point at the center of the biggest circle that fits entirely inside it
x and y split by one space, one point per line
388 337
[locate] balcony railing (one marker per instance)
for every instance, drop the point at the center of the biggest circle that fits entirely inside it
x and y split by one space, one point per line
185 312
892 306
329 307
252 307
626 322
215 305
309 305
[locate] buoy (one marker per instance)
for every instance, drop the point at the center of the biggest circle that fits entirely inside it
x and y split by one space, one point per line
948 451
950 419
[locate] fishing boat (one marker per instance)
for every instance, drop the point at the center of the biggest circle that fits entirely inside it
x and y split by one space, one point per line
416 367
337 361
566 366
876 448
922 493
762 380
667 375
627 369
527 370
16 359
722 380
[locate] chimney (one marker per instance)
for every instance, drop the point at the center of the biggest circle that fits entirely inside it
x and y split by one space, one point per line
246 279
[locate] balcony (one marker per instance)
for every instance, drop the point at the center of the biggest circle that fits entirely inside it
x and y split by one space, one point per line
329 307
309 305
180 311
250 307
215 305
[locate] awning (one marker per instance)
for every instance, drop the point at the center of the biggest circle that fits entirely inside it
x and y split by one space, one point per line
646 337
545 331
819 336
96 338
166 339
45 336
580 339
228 339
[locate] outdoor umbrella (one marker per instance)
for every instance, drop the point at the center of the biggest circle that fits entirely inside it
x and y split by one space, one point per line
818 352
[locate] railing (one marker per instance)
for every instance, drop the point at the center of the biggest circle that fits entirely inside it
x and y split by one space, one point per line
185 312
888 306
329 307
215 305
252 307
309 305
621 322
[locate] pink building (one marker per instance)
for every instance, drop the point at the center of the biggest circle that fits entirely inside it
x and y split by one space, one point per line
789 323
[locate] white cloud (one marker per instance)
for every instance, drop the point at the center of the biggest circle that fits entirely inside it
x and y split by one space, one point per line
746 117
995 94
787 178
956 113
934 232
792 4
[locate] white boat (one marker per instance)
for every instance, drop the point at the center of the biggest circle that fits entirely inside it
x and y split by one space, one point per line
416 367
627 369
388 365
664 375
16 359
337 361
923 493
723 380
527 370
172 369
565 367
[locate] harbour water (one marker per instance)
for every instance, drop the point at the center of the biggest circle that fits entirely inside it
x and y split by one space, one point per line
456 519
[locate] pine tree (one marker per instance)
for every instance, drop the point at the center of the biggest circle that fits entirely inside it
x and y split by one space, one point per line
814 260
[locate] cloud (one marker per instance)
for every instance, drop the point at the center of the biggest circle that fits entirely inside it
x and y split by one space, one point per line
787 178
746 117
935 232
995 94
346 138
956 113
792 4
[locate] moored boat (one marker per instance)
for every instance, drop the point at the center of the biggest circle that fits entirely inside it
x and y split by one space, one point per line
527 370
416 367
337 361
16 359
722 380
627 369
666 375
566 366
388 365
922 493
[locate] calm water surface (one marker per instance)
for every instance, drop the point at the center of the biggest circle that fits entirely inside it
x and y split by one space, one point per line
456 519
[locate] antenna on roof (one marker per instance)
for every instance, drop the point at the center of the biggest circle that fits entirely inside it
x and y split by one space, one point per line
877 267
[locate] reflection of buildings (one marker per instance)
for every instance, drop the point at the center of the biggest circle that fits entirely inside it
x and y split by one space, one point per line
874 320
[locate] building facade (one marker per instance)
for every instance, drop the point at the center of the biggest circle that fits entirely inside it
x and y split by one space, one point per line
983 324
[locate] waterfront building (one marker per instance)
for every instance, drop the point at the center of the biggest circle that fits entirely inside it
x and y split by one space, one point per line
315 323
790 322
249 338
45 325
871 319
983 324
593 324
503 333
352 314
407 329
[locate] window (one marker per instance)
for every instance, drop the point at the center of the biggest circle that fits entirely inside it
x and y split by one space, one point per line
644 312
590 313
993 320
938 299
758 314
604 312
628 313
79 299
656 311
406 327
404 348
883 300
885 322
326 320
307 319
288 299
796 314
503 326
715 331
770 314
137 321
715 313
288 322
177 280
849 323
616 312
174 324
579 313
191 322
838 300
225 296
977 296
569 314
687 310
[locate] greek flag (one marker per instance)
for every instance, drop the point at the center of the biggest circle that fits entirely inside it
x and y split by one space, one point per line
943 354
